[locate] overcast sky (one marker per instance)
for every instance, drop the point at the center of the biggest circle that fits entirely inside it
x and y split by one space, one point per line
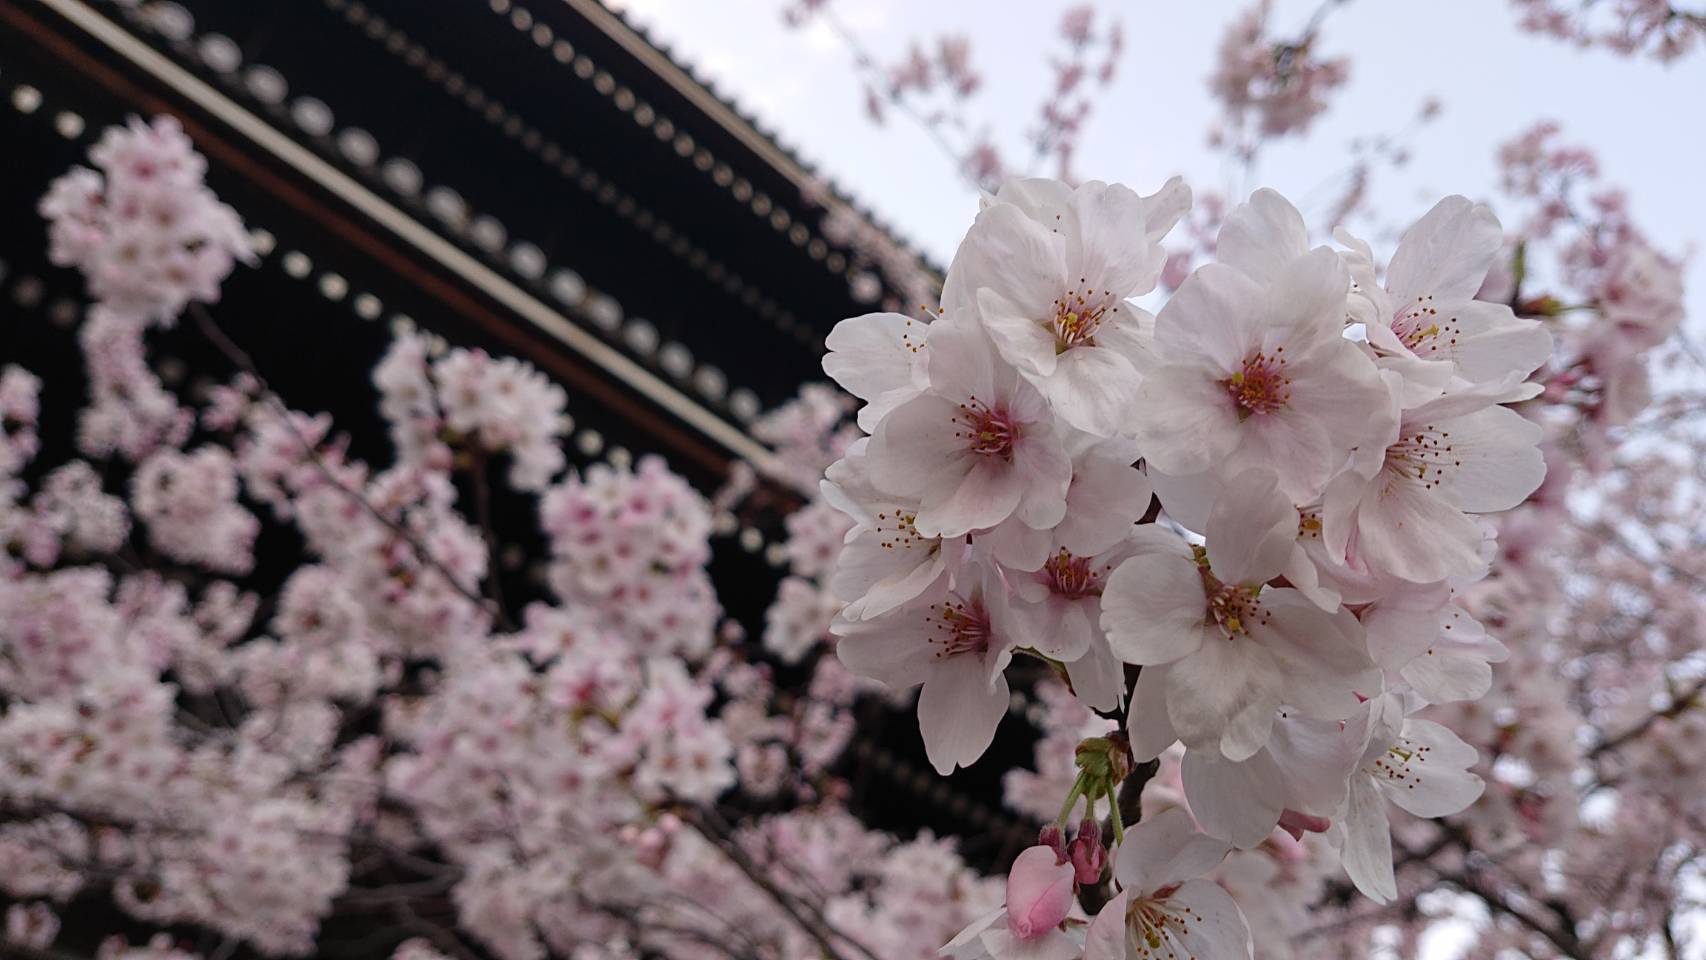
1643 118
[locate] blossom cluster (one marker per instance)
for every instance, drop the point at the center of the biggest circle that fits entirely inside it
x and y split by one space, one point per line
1659 29
145 231
234 747
1323 446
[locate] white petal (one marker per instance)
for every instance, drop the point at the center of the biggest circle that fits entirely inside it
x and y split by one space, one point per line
1095 390
1491 461
1106 938
987 494
1153 608
958 712
873 354
1106 498
1189 424
1251 530
1367 853
1261 237
1098 680
1239 802
1163 850
1217 929
1224 696
1147 725
1215 319
1023 339
1435 780
1446 254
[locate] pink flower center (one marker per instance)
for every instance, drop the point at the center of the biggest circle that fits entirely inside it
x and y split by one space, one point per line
1260 386
959 628
1072 577
1077 317
987 431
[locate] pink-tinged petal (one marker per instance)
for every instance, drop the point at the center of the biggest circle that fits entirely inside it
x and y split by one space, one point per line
1153 608
1262 236
989 493
1097 678
873 354
1024 339
1408 532
1224 695
1095 390
1147 724
1403 624
898 654
1190 422
1015 546
1014 255
959 710
1446 254
1316 758
916 449
1110 217
960 361
1296 447
1164 208
1039 892
1322 656
1217 929
1489 341
1044 473
1367 836
1167 850
1458 668
1427 771
1106 498
1490 461
1301 573
1187 498
1215 319
1306 301
1252 529
875 580
1106 938
1238 802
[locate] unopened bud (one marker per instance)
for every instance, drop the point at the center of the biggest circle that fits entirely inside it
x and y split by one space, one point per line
1050 837
1039 893
1089 857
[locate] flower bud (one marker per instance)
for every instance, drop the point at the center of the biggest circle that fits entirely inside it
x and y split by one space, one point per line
1089 858
1049 836
1296 823
1039 892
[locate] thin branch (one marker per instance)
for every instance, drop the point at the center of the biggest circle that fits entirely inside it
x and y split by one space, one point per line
225 345
805 915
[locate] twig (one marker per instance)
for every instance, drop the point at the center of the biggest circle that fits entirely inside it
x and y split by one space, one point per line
802 913
244 362
1678 704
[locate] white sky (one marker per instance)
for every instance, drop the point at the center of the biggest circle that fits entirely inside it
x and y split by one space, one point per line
1643 118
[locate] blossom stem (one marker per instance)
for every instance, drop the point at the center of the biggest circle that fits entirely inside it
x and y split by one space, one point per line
1114 812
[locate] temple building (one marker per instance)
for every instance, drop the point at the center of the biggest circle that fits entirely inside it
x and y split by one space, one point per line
533 177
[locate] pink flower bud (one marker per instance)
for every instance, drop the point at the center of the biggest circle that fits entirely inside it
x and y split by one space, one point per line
1050 837
1039 893
1086 852
1296 824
